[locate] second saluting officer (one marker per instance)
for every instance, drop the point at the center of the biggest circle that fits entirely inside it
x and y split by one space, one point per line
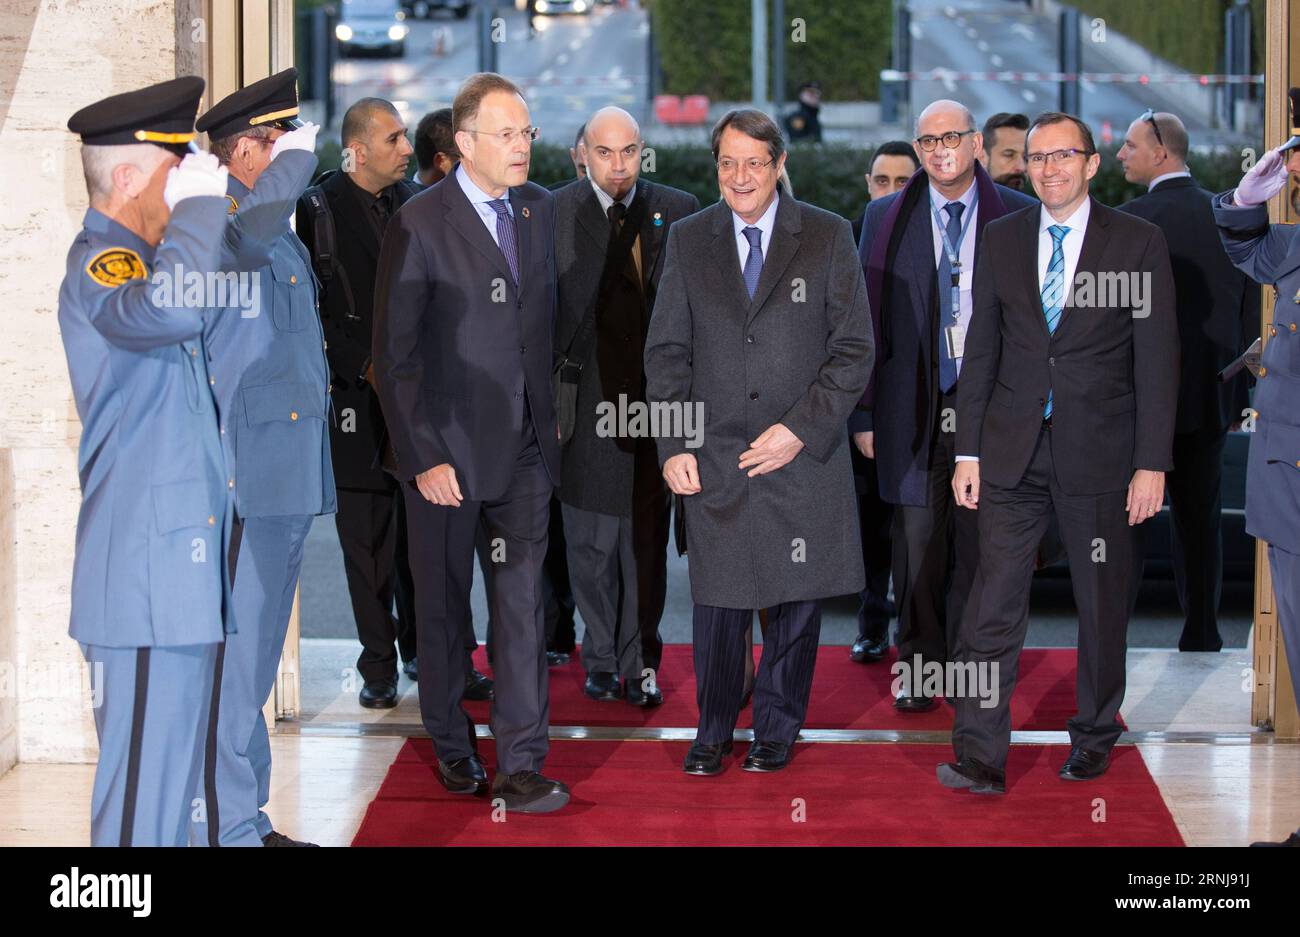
271 380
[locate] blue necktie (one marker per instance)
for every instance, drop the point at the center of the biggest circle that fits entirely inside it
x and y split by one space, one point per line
507 239
1053 292
754 263
948 364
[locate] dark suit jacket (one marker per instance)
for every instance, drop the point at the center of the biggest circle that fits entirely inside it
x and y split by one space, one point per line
457 344
907 370
597 472
1218 306
1113 374
357 432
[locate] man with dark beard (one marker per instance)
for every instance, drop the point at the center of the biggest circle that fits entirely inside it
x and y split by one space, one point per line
1004 149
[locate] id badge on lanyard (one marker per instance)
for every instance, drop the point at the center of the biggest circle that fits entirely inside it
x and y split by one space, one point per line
954 334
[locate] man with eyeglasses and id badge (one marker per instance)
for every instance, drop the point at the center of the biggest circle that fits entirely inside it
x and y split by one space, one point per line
918 250
464 317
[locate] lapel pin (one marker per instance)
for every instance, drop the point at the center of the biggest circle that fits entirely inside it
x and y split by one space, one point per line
1296 298
525 211
659 219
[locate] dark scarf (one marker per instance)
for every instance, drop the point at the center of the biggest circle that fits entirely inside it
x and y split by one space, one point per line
884 248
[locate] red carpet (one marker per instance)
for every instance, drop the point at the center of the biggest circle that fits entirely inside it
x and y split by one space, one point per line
634 793
845 695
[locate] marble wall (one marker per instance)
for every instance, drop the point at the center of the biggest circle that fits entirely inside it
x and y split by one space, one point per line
55 57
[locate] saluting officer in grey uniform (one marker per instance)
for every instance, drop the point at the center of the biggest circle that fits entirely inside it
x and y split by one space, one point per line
1270 253
271 380
148 579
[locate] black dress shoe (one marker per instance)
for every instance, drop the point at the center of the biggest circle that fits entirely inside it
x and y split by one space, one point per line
868 650
1292 840
706 759
556 658
1083 765
633 693
603 687
411 670
478 687
971 775
382 694
529 792
464 775
279 839
767 756
914 704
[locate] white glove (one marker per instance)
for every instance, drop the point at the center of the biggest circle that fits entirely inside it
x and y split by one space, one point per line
197 174
303 138
1265 179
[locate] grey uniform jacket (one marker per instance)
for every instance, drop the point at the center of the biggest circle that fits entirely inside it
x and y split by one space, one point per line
1270 253
267 364
151 533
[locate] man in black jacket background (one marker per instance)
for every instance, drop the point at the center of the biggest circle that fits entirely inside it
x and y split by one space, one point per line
1218 315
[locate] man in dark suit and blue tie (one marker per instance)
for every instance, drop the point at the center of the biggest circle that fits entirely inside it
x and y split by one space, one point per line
464 317
1066 408
918 251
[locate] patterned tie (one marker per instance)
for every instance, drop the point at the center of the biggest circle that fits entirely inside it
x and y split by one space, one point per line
1053 292
507 239
948 364
754 264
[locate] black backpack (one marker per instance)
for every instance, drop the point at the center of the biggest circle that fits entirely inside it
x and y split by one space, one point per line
324 255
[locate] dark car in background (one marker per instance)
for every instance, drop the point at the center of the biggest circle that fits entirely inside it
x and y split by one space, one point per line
375 26
558 7
423 9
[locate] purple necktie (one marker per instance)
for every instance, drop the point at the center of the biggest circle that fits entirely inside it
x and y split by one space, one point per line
507 239
754 263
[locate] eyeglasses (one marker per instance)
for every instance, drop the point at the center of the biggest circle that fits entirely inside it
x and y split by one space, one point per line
727 165
950 140
1150 117
1056 156
507 137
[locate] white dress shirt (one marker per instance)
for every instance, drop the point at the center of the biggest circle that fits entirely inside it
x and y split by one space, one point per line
1071 244
1071 247
765 224
607 200
1169 175
966 253
479 199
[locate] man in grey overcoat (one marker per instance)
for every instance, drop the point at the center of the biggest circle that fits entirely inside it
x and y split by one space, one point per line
761 328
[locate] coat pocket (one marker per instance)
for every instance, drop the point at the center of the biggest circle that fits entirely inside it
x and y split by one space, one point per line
185 554
290 300
1124 403
1282 444
285 401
